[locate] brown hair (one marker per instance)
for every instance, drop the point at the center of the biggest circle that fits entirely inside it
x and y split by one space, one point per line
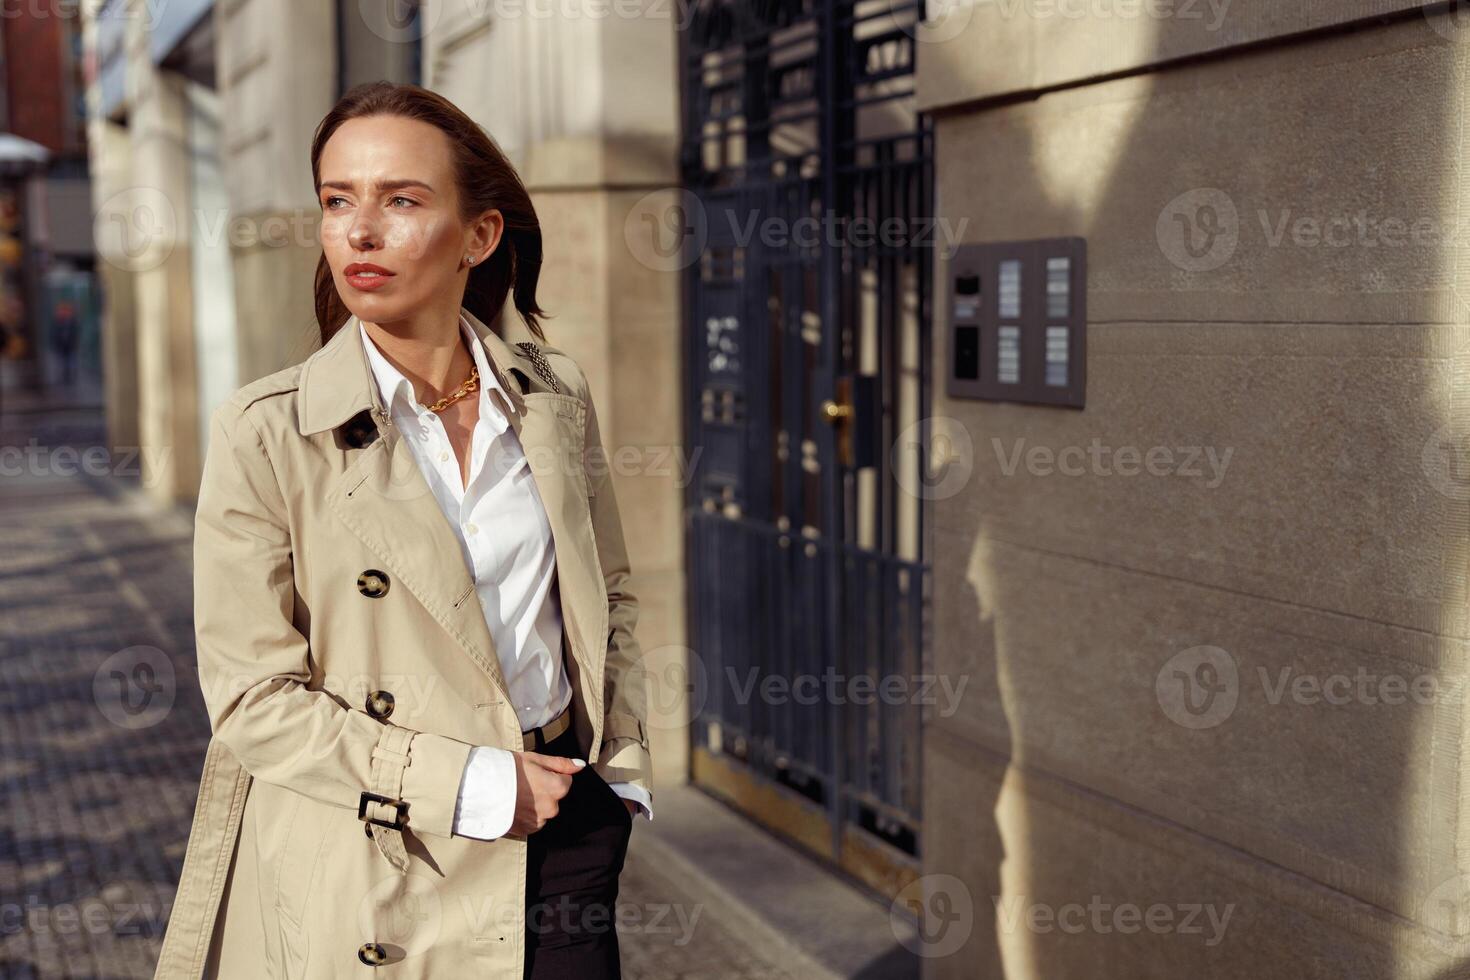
485 179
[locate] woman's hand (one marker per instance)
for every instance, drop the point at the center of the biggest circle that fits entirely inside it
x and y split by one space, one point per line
541 782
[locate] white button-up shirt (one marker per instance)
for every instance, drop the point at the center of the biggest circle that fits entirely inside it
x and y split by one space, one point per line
500 522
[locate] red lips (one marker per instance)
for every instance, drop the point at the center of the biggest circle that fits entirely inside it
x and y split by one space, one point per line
366 276
355 267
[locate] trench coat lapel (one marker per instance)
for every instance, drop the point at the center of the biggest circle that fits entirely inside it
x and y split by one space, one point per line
551 427
384 500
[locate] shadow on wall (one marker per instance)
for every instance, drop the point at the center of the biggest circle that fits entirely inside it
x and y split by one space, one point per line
1161 646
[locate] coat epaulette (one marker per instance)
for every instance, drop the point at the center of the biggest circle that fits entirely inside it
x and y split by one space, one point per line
538 360
285 380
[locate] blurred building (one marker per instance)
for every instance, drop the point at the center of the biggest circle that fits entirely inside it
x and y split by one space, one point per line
49 312
1028 410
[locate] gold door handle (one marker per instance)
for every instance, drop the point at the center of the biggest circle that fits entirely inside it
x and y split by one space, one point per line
834 412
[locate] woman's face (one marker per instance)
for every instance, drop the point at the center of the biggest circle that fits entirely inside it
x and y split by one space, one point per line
390 206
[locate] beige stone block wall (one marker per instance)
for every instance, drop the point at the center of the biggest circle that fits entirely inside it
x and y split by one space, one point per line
1122 893
274 300
1314 341
1029 45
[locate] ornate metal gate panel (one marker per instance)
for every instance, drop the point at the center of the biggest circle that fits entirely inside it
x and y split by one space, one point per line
809 176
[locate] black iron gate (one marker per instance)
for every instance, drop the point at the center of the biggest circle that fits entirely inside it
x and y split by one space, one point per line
808 174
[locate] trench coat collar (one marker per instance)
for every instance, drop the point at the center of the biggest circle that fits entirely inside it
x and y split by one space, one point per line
337 382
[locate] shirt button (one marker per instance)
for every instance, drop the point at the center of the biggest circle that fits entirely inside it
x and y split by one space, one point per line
472 528
443 457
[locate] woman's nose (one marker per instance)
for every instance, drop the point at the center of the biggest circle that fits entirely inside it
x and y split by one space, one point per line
363 234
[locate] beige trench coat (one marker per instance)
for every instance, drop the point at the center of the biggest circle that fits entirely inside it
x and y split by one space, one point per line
326 576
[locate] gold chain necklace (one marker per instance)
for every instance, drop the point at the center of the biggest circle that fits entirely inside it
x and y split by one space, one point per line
470 384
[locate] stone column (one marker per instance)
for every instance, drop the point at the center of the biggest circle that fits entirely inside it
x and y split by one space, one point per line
158 211
111 169
277 71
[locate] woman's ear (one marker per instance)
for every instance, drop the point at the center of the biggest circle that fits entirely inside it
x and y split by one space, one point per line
484 235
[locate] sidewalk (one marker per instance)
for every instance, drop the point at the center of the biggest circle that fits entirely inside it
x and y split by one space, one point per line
95 593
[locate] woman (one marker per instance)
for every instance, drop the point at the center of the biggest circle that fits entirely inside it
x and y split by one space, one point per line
412 611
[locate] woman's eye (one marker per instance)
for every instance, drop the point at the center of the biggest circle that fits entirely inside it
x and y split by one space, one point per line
407 200
331 199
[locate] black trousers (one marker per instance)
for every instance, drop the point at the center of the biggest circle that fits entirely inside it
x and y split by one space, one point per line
572 868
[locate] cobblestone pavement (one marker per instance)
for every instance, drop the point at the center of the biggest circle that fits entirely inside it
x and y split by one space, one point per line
100 748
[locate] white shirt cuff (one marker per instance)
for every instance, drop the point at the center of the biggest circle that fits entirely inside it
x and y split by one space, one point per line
487 794
636 793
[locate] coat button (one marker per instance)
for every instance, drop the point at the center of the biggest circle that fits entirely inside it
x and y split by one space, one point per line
373 583
380 704
372 953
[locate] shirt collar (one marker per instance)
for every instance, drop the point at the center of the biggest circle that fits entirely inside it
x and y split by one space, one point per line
397 391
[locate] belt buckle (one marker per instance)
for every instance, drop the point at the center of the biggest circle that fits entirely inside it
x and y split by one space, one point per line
400 805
